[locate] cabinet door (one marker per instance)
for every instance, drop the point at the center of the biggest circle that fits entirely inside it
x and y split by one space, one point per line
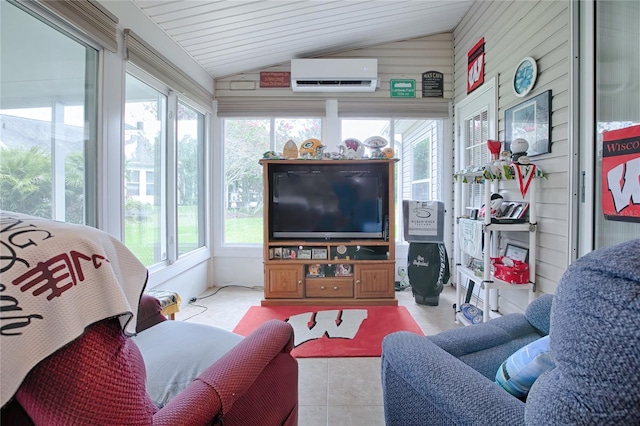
374 281
284 282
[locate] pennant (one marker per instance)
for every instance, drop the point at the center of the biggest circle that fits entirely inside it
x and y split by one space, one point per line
524 180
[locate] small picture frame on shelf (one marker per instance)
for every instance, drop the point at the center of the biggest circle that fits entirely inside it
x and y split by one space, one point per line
318 253
277 252
304 254
517 253
286 253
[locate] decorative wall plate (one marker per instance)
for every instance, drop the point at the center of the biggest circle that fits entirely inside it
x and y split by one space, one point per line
524 77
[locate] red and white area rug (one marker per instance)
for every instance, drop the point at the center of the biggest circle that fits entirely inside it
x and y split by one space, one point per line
327 331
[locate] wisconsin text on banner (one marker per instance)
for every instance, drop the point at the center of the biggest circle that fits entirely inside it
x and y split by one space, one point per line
621 174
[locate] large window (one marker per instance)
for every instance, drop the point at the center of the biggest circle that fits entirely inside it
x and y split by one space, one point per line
48 103
245 142
190 178
161 166
416 143
617 106
476 152
144 165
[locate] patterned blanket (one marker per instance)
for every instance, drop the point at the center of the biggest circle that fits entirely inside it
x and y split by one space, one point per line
55 280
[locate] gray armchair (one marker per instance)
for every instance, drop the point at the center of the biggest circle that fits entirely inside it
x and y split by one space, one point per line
594 327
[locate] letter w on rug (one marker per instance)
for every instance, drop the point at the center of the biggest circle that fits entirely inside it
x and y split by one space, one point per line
335 324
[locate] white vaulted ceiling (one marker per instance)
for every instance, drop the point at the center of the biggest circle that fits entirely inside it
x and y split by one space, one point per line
228 37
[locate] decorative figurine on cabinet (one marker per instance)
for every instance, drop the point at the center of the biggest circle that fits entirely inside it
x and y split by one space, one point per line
270 155
311 149
343 270
316 270
375 144
290 150
351 149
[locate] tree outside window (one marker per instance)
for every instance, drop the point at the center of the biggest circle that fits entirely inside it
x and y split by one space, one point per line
245 142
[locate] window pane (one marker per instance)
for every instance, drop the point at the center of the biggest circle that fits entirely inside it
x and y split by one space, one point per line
416 144
617 106
476 153
296 129
245 141
190 179
145 217
422 160
48 103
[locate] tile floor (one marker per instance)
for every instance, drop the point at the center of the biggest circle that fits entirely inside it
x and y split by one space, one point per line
330 389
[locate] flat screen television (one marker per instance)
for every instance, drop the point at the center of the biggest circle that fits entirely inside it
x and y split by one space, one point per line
328 201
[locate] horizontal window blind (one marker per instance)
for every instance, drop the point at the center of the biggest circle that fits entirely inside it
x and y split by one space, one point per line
151 61
270 107
90 17
393 108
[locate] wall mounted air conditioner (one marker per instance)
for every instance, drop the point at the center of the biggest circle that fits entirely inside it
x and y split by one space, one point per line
334 75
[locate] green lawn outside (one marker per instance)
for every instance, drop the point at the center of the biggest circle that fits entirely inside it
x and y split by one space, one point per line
243 230
142 235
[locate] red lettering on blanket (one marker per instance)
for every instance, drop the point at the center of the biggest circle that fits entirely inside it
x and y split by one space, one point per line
57 274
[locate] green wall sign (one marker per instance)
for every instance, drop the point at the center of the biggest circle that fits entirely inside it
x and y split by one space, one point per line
403 88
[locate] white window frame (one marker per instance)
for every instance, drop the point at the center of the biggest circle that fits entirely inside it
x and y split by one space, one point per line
173 264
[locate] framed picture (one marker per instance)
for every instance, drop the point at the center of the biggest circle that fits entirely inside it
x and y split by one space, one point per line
304 254
318 253
277 252
530 120
517 253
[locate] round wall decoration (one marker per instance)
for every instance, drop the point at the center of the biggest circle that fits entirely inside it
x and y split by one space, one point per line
525 76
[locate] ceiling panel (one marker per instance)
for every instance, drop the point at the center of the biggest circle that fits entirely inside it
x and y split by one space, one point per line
233 36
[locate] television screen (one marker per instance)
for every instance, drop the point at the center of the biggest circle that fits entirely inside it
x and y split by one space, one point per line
328 202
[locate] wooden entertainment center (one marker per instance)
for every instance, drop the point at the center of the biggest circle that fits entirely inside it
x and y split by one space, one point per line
333 270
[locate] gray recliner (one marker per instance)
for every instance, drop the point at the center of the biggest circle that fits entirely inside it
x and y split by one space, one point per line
594 328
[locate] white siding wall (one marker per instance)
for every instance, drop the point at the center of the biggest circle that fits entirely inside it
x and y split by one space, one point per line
403 59
512 31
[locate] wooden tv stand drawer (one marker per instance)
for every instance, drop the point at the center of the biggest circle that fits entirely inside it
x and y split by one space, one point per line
329 287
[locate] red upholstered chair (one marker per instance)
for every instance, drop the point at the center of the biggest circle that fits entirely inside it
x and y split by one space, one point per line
99 379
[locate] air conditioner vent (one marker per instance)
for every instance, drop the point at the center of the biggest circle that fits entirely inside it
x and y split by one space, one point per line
334 75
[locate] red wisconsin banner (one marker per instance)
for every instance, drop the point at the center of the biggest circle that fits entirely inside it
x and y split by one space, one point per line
475 66
621 174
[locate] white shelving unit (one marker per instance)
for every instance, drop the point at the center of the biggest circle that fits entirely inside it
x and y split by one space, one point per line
490 177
